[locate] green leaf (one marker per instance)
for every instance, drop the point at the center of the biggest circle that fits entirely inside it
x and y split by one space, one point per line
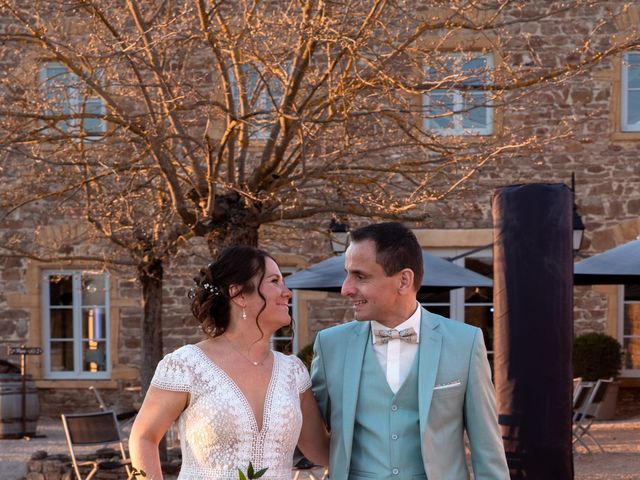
251 473
260 473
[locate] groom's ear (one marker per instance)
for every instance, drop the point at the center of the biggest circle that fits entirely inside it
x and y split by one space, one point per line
406 280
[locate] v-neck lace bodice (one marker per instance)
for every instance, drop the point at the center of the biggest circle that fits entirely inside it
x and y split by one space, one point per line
218 430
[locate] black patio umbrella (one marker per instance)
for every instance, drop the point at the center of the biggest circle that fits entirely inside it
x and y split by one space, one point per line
616 266
439 273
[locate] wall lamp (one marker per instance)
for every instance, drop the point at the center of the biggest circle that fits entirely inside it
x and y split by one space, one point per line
339 236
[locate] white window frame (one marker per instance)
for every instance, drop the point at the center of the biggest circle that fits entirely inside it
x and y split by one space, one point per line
293 305
267 100
457 304
75 101
625 372
77 373
624 93
458 105
439 304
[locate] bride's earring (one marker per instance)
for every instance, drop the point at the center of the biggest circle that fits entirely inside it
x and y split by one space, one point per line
244 313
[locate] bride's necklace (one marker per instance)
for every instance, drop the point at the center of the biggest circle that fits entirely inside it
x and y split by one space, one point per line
252 362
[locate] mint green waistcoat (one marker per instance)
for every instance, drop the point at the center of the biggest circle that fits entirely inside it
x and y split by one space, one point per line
386 435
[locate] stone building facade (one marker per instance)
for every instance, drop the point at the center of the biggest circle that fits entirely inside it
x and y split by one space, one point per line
602 150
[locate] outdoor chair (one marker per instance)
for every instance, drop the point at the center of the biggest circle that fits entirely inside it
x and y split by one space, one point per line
586 400
576 382
513 446
581 391
310 475
301 464
125 419
89 429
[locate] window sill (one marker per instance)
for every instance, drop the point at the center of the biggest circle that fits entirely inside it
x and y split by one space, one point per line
630 380
619 136
84 383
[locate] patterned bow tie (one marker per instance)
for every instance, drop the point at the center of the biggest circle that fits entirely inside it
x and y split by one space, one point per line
408 335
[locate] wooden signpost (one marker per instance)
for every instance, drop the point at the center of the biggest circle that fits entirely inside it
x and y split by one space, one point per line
23 352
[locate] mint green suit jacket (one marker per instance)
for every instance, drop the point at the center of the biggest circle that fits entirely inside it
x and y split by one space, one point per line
455 393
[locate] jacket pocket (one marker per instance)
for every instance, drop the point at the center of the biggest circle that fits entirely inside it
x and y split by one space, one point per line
447 392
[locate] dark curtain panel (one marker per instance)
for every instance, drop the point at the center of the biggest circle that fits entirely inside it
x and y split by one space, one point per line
533 301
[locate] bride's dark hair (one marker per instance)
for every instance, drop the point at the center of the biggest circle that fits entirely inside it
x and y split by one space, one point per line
210 298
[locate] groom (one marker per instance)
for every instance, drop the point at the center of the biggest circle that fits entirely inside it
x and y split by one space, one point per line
398 387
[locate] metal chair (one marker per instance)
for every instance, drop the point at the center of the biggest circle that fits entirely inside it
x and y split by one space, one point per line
586 400
303 468
576 382
97 428
580 393
308 474
125 419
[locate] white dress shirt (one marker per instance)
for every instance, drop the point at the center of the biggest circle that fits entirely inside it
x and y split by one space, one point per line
396 356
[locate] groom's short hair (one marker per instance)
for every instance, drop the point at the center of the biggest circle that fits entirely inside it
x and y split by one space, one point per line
396 248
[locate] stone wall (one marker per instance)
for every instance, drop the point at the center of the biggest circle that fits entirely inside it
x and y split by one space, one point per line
607 195
43 466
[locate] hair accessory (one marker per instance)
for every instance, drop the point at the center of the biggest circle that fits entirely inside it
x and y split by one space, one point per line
211 289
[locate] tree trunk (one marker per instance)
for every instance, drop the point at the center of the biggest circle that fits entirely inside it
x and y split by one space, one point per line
150 276
234 223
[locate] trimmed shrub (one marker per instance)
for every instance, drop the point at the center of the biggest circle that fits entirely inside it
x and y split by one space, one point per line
595 356
306 355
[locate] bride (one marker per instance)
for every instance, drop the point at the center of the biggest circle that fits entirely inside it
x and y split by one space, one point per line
235 400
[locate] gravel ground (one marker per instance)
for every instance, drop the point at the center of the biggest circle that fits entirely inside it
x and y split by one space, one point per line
620 461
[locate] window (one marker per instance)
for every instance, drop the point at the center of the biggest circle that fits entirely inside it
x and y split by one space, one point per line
76 325
477 302
631 330
630 97
436 302
263 95
459 104
66 94
283 339
472 305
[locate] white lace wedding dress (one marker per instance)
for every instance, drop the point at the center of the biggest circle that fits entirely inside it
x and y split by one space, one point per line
218 430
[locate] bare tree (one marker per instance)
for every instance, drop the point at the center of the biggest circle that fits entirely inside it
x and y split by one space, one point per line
163 120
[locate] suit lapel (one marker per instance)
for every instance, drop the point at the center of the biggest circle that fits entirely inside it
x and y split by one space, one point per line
354 356
430 346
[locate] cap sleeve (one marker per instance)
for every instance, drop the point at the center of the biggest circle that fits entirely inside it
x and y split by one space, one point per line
301 374
174 372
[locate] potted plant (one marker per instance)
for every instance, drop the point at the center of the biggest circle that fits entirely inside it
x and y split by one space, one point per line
599 356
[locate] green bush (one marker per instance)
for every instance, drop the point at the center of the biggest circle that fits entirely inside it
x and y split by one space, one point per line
595 356
306 355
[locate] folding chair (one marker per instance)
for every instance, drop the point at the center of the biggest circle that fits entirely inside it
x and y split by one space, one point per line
303 467
580 393
586 403
576 382
125 419
97 428
309 474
